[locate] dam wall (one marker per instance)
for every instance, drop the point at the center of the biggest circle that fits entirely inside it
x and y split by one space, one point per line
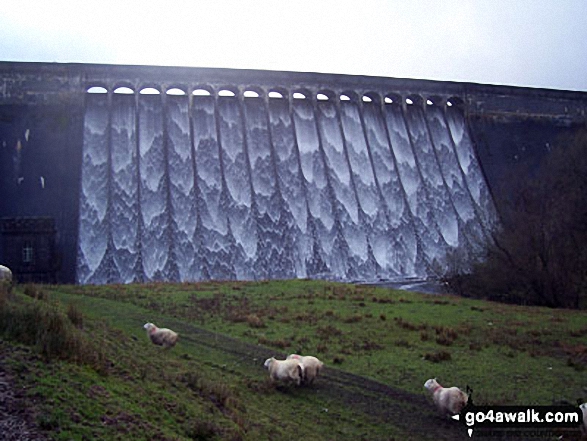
181 174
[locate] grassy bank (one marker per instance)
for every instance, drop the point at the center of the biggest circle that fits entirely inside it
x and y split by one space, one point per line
103 379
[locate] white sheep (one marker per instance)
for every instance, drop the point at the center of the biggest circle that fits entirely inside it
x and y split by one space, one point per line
5 279
161 336
449 401
312 366
583 408
5 274
285 370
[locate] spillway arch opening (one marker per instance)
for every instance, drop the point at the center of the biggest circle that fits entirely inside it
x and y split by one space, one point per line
392 99
414 100
96 89
371 98
435 100
349 96
326 95
149 90
301 94
278 93
202 90
227 92
176 90
123 89
456 103
253 92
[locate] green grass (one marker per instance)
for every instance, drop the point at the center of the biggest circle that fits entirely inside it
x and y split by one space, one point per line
115 385
389 331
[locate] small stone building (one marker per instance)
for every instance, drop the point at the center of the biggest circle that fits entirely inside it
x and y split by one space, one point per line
27 247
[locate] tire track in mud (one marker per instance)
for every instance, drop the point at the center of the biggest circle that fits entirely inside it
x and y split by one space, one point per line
385 405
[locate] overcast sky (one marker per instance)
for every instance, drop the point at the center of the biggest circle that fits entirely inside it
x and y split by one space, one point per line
536 43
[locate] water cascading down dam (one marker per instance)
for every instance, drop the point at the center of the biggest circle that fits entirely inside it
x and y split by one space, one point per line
230 183
205 173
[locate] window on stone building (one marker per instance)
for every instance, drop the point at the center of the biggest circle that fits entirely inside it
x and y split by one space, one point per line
27 252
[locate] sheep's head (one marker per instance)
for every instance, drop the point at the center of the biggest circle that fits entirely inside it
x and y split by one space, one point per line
431 384
268 362
149 326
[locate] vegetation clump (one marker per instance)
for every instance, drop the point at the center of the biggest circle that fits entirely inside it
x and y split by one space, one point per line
42 324
538 256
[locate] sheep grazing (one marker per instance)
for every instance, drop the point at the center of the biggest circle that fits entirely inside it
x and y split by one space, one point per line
449 401
312 366
285 370
161 336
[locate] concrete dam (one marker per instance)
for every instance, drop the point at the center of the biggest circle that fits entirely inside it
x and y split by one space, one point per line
188 174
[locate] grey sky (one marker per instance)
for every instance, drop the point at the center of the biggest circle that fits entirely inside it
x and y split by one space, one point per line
536 43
